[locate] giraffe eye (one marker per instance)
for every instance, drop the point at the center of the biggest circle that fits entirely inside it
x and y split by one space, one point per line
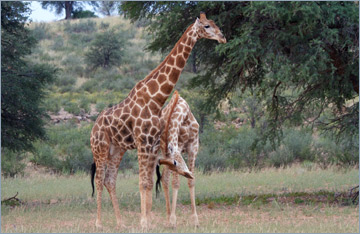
174 163
207 26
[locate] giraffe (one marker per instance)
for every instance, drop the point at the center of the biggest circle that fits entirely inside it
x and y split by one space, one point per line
181 135
134 123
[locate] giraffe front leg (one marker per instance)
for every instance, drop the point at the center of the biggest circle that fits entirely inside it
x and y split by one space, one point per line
191 183
142 187
147 163
165 178
175 187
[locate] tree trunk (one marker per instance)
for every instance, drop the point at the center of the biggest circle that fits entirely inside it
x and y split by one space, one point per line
68 9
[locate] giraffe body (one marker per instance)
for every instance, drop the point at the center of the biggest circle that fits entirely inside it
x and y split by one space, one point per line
182 137
134 123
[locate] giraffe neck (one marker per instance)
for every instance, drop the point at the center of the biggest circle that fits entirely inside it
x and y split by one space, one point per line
162 80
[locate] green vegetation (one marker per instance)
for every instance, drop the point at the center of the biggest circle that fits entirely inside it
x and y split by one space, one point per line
23 81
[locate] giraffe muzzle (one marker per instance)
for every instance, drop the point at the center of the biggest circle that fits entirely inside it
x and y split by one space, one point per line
178 167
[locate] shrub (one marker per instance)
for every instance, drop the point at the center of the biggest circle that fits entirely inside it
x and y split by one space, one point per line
100 106
73 63
299 143
45 155
72 107
281 157
106 50
79 14
244 152
213 152
58 43
84 103
52 105
343 153
12 163
90 85
41 31
65 79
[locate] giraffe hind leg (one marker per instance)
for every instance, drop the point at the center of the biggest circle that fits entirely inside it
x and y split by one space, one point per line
115 157
99 181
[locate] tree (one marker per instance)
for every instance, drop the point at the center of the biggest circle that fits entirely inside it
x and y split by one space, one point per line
22 83
107 8
106 50
69 6
300 57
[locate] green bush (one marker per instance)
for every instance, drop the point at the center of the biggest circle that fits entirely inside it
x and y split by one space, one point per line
106 50
52 105
299 143
72 146
72 107
243 151
73 64
12 163
91 86
100 106
84 103
58 43
79 14
342 153
65 79
281 157
41 31
45 155
213 153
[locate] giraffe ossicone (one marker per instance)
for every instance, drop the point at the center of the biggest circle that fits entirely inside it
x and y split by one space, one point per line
134 123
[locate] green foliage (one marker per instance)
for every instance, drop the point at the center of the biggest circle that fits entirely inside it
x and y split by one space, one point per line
67 148
22 83
41 31
343 153
213 153
106 50
12 163
79 14
307 48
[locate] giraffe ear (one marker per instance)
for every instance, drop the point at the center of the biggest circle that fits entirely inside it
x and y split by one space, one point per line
197 22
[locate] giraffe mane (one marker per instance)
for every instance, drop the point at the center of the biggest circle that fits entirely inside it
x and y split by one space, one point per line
166 131
148 77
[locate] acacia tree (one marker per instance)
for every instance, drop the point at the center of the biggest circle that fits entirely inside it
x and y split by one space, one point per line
302 58
22 83
69 6
106 50
107 8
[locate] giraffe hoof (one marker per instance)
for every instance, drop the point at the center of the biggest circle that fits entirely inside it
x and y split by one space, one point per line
98 225
121 225
143 223
173 221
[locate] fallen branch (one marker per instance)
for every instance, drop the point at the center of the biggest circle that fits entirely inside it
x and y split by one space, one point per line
12 198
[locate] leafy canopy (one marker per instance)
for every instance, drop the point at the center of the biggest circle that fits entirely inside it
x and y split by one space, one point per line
22 82
106 50
302 58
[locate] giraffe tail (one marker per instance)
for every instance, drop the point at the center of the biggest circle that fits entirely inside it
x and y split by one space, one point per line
158 180
93 170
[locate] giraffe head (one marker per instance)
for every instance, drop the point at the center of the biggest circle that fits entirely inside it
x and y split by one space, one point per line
207 29
178 165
